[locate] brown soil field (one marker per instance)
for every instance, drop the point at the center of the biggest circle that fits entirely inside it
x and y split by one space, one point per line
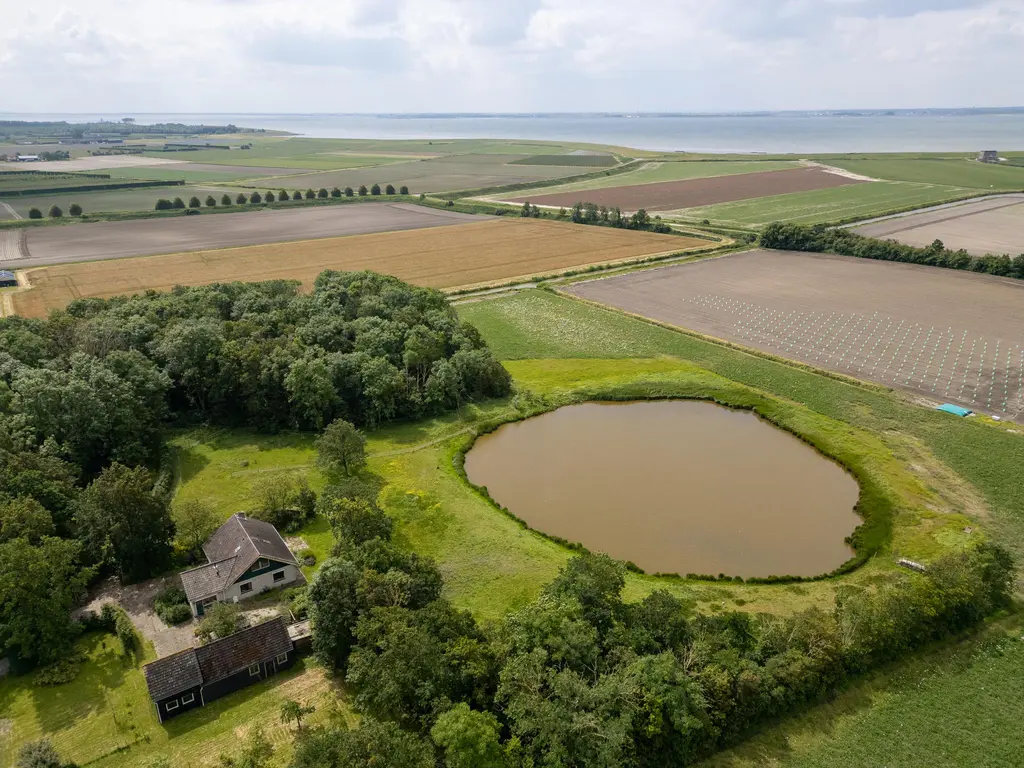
447 257
993 225
143 237
945 335
691 193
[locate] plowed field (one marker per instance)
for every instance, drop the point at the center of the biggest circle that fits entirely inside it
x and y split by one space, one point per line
444 257
676 195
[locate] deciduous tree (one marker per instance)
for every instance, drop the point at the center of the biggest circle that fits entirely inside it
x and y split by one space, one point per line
341 448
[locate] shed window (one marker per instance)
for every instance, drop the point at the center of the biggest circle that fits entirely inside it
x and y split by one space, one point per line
188 698
282 659
170 706
254 670
245 588
279 575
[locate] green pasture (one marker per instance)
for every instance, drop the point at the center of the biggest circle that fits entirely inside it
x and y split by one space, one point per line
105 717
856 201
13 181
205 173
583 161
947 171
141 199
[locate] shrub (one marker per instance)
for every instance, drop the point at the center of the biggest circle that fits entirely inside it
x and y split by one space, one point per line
163 205
307 557
211 201
241 199
296 195
75 209
178 203
403 190
362 190
255 198
283 196
349 192
60 672
297 600
322 193
422 196
335 192
172 606
310 194
193 202
225 199
125 631
375 189
389 189
269 197
55 212
221 620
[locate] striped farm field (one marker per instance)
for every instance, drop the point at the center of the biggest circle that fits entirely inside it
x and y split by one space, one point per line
445 257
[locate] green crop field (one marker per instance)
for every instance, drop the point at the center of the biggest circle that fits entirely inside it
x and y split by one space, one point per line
200 173
949 172
586 161
142 199
860 201
11 181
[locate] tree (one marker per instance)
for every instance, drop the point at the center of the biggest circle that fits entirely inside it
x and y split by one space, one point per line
123 525
322 193
526 211
389 189
334 611
195 520
220 620
296 195
225 199
255 198
403 190
273 500
310 194
371 744
355 521
256 753
40 754
194 202
24 518
362 190
163 204
341 448
639 220
55 212
349 192
335 192
375 189
293 712
75 209
283 196
470 739
35 213
211 201
39 585
178 204
241 199
269 197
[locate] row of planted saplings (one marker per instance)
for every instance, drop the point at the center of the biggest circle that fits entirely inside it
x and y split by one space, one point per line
256 198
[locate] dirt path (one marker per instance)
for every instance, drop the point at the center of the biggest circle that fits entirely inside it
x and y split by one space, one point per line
837 171
14 214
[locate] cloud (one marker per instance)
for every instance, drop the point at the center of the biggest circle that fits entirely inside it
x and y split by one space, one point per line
502 55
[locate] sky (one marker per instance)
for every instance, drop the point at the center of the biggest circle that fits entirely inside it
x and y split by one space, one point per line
372 56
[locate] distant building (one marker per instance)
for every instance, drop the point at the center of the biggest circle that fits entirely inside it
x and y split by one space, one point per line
989 156
246 557
7 279
27 158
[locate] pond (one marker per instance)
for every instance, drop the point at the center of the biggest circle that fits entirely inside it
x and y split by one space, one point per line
674 486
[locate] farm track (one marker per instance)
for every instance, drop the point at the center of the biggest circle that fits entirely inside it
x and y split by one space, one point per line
13 213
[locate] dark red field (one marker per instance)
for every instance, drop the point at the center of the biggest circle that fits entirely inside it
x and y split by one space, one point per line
691 193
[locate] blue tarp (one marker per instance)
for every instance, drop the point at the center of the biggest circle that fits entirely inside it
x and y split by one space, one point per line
956 410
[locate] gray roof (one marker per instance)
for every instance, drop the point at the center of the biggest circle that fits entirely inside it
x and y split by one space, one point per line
222 658
236 652
231 550
173 674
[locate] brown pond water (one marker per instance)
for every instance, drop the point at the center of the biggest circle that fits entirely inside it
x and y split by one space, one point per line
675 486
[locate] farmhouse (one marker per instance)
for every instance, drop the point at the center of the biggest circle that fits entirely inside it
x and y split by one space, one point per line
246 557
988 156
195 677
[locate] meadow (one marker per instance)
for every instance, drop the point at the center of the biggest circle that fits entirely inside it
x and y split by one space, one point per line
946 171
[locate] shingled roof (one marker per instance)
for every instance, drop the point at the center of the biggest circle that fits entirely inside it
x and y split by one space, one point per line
231 550
222 658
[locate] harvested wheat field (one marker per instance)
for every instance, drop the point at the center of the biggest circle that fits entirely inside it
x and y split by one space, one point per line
691 193
946 335
444 257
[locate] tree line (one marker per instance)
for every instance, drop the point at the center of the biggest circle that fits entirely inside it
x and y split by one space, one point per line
86 396
284 195
845 242
580 677
591 213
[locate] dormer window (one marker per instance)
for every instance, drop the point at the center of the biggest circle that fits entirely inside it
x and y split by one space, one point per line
262 563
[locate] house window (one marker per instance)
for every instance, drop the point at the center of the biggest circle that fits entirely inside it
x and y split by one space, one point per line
170 706
188 698
254 670
262 563
282 659
279 575
245 588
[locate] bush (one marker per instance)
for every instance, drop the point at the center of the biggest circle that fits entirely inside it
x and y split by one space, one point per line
422 196
389 189
403 190
178 204
296 195
269 197
375 189
163 205
211 201
125 631
60 672
193 202
35 213
55 212
335 192
221 620
310 194
297 600
255 198
75 209
225 199
307 557
241 199
362 190
172 606
283 196
349 192
322 193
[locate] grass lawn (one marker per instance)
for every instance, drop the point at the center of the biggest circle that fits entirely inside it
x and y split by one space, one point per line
105 718
860 201
950 172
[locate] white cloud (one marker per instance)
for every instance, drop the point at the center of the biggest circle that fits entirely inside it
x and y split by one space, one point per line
507 55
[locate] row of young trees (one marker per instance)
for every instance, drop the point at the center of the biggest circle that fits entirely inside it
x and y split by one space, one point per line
85 398
256 198
845 242
55 211
591 213
580 677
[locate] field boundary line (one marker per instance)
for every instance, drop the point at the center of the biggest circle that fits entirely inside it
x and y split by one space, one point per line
17 216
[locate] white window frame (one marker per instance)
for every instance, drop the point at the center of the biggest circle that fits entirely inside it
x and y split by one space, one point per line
279 575
188 698
258 667
245 588
170 706
262 563
282 659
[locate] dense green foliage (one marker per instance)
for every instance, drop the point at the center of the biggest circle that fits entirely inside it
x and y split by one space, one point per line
818 239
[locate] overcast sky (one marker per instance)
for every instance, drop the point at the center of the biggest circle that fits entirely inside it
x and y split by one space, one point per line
507 55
